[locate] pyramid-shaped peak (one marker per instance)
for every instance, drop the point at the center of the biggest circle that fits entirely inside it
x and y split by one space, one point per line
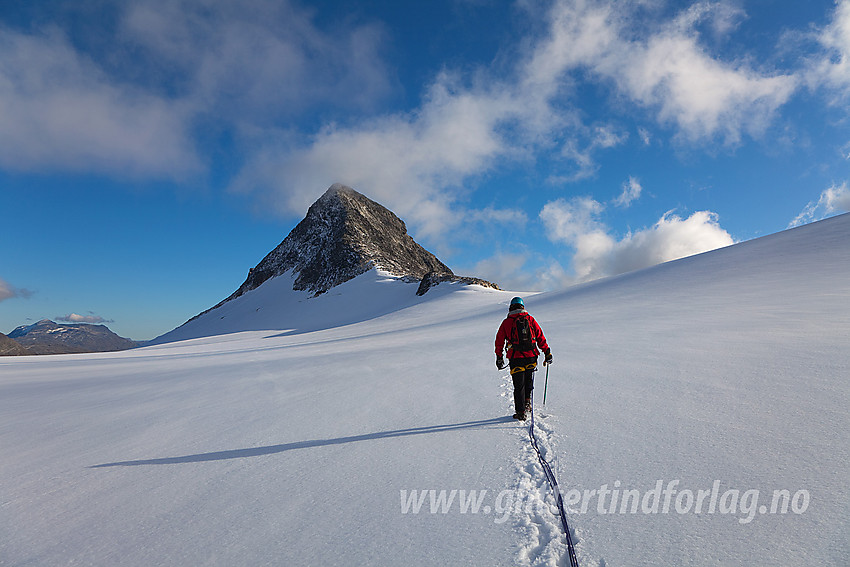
355 208
344 235
337 189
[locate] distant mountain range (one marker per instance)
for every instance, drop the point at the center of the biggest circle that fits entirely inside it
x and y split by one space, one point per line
49 337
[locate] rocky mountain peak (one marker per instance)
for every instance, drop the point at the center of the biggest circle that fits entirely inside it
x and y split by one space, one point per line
343 235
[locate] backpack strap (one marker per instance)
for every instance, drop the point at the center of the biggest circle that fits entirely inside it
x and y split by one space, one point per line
519 344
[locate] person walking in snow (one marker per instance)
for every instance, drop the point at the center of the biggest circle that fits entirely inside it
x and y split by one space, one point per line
521 336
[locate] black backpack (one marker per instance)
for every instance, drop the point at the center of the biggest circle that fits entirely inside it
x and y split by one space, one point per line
525 340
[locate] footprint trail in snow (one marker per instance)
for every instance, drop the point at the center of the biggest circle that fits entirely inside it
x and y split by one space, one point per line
535 510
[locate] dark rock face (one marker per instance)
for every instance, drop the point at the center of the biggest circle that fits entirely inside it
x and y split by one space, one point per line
344 235
47 337
432 279
10 347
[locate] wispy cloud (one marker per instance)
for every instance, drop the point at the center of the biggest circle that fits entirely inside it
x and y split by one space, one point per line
415 163
8 291
834 199
491 214
831 68
596 253
631 192
583 156
665 67
508 270
75 318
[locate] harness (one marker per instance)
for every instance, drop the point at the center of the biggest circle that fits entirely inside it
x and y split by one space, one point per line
530 366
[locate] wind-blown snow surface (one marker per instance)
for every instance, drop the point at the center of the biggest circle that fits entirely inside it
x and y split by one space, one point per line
293 445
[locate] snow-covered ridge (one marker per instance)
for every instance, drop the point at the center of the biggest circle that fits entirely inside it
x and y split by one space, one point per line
276 306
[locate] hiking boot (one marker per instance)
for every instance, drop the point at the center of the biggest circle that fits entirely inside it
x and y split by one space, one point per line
528 406
519 416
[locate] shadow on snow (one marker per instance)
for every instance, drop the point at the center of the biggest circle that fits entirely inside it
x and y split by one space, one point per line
273 449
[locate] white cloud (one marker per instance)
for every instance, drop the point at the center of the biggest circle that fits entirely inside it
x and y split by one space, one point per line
597 254
574 222
600 138
670 238
665 67
58 110
568 221
505 269
413 163
8 291
833 69
607 137
834 199
524 271
702 96
631 192
75 318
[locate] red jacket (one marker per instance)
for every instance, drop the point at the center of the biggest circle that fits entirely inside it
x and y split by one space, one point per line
508 334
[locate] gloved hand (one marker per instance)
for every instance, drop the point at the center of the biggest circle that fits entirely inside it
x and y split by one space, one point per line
500 362
548 360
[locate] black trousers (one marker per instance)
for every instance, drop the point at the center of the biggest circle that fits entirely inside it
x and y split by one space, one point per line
523 381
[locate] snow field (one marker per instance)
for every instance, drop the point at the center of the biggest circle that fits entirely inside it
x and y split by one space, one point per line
290 438
728 366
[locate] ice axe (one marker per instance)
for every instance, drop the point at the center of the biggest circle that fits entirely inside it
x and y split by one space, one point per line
546 383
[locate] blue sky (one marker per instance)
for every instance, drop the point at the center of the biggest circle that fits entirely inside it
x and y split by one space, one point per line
152 151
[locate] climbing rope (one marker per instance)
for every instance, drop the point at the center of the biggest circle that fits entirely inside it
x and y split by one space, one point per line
553 484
